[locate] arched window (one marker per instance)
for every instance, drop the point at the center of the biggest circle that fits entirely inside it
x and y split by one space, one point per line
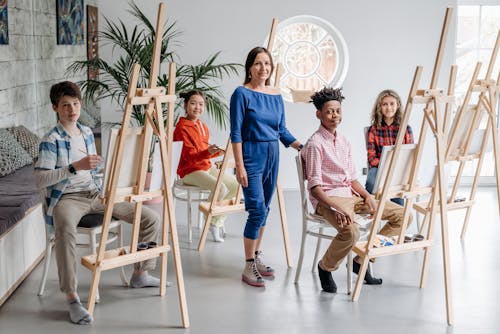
312 53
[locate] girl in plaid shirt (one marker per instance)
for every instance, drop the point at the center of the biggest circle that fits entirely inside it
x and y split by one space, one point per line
386 117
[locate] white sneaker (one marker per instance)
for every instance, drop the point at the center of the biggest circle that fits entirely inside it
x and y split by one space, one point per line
263 269
216 234
251 275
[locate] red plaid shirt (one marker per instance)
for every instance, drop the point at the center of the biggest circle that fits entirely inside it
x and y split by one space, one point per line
328 163
384 135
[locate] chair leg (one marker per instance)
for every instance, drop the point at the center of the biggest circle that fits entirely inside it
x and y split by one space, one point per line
316 253
349 273
301 256
46 265
119 231
190 223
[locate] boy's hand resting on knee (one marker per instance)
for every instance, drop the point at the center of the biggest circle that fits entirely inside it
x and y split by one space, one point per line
371 203
343 219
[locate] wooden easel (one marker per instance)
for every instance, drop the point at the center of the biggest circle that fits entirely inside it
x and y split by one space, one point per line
215 208
436 116
463 132
153 97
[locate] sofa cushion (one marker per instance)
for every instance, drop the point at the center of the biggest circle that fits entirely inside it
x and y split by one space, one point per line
18 193
28 140
17 157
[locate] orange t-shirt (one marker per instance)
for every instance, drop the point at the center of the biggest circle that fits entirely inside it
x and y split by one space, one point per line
195 155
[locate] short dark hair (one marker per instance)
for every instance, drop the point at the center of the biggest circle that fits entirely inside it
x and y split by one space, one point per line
250 60
64 88
326 94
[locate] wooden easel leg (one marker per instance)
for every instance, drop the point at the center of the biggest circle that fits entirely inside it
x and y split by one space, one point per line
163 274
284 226
178 269
430 218
349 273
93 290
204 233
444 229
361 277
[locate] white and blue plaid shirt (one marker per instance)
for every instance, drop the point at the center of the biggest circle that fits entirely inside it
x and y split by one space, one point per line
55 153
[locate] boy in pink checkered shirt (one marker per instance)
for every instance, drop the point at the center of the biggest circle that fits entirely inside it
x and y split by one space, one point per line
334 190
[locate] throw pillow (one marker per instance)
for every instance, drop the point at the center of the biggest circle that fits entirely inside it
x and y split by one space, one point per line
28 140
16 155
5 164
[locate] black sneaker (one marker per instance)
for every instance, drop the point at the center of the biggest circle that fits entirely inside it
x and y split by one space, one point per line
326 279
369 279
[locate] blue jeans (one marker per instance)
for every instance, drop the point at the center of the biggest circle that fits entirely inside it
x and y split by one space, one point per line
370 183
261 161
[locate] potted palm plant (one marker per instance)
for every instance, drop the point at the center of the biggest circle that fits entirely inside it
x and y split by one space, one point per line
136 46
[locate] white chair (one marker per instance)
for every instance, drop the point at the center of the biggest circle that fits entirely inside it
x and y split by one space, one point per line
89 227
186 193
316 226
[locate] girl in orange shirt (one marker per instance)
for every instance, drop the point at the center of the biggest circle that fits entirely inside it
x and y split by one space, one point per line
195 167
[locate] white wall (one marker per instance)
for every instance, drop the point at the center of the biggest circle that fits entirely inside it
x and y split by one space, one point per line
387 39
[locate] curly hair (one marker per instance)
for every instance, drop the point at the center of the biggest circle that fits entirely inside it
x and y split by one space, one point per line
326 94
377 116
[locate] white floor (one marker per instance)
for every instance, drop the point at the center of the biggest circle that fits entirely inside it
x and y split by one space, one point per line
219 302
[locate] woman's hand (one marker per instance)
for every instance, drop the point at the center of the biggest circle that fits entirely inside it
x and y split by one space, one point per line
241 176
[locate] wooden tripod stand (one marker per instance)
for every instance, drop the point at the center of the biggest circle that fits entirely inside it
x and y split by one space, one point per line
130 188
215 208
436 117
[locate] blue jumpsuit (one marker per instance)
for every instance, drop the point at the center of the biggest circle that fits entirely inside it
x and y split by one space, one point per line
258 121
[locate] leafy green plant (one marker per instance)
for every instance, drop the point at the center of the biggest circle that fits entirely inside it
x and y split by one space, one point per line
136 46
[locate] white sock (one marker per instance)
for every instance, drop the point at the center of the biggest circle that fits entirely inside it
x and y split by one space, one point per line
79 314
145 280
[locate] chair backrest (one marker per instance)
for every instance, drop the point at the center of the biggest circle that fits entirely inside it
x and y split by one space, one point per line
302 186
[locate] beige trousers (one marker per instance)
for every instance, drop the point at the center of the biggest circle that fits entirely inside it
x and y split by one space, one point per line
348 235
67 214
207 180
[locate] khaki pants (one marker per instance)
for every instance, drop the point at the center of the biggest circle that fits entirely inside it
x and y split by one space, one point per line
67 214
207 180
347 236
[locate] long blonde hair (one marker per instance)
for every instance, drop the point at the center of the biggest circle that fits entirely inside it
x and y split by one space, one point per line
377 116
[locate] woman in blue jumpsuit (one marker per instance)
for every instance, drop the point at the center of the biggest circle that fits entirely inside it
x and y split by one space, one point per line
257 123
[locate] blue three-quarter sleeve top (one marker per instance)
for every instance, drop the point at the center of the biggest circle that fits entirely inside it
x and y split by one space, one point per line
257 116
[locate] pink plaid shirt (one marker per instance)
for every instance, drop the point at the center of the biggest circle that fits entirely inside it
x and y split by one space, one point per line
328 163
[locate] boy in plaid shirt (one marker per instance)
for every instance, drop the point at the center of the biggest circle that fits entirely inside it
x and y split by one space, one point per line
66 174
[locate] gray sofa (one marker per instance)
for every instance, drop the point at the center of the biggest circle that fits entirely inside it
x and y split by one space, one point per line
22 225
